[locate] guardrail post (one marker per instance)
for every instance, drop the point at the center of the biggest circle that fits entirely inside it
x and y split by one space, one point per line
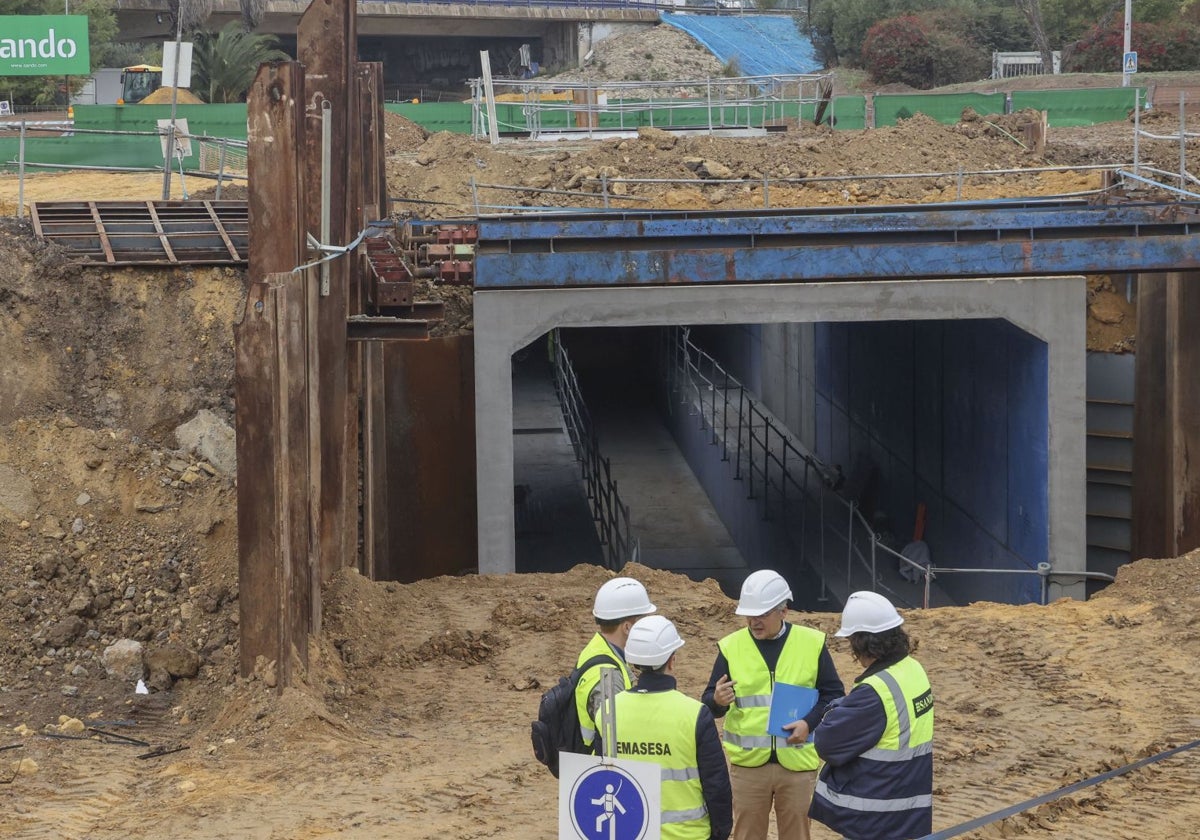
750 448
1137 128
21 173
737 466
725 419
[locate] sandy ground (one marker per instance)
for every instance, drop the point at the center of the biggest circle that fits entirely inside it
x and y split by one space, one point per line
414 723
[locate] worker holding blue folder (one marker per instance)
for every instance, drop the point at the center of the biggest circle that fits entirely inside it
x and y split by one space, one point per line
772 681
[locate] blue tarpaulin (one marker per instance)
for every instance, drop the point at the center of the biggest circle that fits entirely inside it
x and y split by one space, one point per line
764 45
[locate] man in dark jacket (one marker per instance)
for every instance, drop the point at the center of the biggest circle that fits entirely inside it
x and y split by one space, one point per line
877 744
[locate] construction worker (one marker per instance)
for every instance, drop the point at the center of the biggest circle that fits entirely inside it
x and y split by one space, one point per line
768 770
657 723
877 743
619 603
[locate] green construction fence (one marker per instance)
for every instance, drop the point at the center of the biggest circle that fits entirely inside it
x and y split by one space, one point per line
848 111
1080 107
944 107
1064 107
82 149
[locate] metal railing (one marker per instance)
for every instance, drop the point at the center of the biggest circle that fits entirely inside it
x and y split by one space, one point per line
737 102
1184 177
609 513
793 484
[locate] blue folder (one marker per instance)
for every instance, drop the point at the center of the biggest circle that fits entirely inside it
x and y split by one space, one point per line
789 703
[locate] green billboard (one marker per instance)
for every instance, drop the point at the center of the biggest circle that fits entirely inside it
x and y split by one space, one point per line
44 45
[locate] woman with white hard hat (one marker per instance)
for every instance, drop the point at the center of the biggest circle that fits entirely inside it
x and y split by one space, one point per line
655 722
619 603
770 769
877 744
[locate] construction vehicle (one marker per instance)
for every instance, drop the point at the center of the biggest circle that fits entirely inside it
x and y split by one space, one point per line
139 81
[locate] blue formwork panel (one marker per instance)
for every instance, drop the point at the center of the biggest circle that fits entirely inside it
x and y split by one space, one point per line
953 414
975 408
1028 447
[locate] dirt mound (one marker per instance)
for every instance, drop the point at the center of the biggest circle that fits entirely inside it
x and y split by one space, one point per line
162 96
1112 317
449 171
402 135
647 54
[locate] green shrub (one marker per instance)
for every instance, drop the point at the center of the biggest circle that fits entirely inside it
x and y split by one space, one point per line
913 50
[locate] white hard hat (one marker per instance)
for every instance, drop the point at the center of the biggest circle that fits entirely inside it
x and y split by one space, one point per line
762 592
651 641
622 597
868 612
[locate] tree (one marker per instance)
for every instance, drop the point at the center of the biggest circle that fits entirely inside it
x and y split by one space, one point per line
1032 10
226 62
921 52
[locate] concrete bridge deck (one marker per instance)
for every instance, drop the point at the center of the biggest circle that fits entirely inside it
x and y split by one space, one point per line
141 18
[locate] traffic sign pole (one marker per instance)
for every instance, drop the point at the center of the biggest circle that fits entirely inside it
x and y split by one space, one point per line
1127 44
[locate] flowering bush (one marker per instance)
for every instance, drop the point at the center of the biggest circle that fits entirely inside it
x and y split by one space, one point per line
1159 47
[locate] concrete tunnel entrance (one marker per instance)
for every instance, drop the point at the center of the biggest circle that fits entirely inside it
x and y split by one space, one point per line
1023 334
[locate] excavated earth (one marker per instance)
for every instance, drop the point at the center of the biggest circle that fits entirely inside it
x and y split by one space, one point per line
411 720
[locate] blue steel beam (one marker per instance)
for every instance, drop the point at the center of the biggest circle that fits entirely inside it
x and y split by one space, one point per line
1014 238
1019 219
854 261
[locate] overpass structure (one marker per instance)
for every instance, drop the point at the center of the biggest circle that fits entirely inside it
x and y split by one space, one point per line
430 41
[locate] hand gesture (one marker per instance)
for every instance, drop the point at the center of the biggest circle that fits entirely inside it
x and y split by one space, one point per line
724 694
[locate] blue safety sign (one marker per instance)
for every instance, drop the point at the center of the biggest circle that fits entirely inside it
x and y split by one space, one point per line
608 804
1131 62
608 799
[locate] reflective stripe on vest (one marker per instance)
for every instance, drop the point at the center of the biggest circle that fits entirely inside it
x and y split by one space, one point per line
746 740
587 682
906 735
860 803
660 727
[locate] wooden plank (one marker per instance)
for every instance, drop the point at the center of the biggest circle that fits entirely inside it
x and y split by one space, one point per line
162 235
1152 439
36 217
219 225
375 507
1183 362
100 231
326 41
275 119
431 473
260 585
273 529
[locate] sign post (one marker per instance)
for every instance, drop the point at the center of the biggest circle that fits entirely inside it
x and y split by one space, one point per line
608 799
1127 46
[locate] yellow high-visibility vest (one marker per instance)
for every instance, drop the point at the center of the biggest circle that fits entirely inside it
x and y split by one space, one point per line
747 742
660 726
